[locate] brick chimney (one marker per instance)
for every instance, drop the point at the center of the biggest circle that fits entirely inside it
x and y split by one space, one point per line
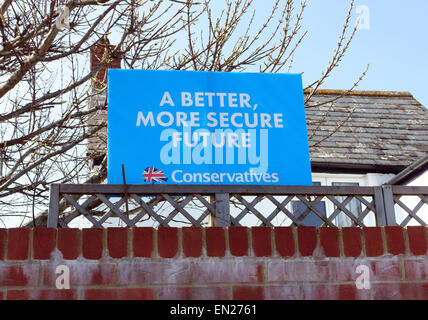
97 144
100 51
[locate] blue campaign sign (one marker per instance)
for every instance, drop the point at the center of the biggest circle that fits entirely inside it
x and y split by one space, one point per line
193 127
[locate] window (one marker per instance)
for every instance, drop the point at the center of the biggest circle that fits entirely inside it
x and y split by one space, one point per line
354 206
311 219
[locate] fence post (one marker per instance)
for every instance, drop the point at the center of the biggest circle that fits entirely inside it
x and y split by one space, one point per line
388 200
222 210
380 207
53 206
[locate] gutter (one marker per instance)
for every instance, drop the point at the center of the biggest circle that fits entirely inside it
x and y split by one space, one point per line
410 173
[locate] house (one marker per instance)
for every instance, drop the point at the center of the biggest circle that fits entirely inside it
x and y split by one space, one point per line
358 138
366 138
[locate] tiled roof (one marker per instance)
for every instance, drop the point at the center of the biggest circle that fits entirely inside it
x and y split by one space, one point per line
383 131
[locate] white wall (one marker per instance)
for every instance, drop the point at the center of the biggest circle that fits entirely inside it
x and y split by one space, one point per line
364 180
422 180
412 202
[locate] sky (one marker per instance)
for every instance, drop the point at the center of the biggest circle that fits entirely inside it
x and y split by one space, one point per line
395 44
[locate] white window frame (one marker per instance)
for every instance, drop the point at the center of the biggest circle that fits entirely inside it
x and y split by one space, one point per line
327 179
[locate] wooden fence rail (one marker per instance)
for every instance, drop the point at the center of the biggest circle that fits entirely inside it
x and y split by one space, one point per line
227 205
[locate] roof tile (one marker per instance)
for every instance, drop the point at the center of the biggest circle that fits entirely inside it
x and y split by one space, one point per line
385 128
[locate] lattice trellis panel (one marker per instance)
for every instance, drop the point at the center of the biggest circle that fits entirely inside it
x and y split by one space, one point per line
271 210
192 205
413 210
160 210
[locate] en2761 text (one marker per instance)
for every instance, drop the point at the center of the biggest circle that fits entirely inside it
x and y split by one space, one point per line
219 309
234 309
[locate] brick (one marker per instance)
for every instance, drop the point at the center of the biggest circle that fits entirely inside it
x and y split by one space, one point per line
194 293
117 242
92 243
284 241
238 241
192 242
395 240
416 269
18 243
373 241
307 240
346 269
120 294
68 242
329 241
215 242
417 240
282 292
37 294
351 242
334 292
381 269
167 242
143 242
19 275
227 271
248 293
166 271
2 243
96 54
83 273
299 270
261 237
400 291
43 243
385 269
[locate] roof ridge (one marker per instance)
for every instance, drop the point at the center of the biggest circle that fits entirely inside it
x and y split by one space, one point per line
360 93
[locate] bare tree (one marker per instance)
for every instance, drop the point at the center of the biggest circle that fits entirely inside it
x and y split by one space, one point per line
45 82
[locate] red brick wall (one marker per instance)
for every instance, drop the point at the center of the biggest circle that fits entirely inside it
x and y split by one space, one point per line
214 263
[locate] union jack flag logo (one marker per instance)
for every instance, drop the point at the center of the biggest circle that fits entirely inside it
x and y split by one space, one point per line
151 174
